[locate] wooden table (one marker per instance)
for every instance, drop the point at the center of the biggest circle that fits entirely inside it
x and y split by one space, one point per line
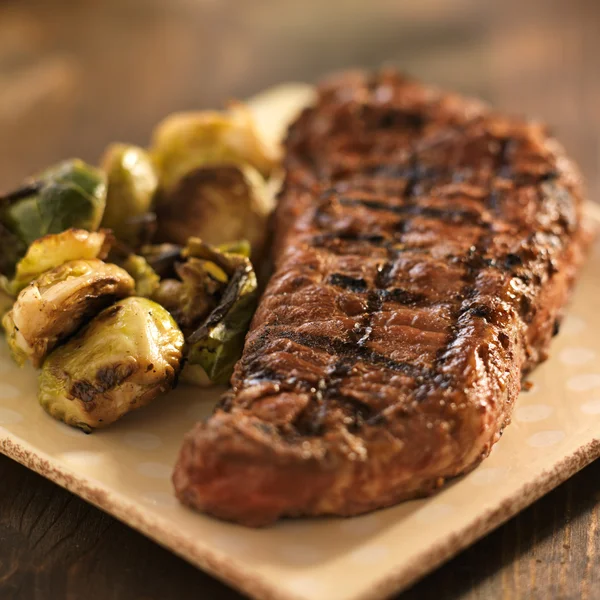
75 75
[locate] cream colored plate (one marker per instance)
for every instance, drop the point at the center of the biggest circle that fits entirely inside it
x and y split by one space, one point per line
126 470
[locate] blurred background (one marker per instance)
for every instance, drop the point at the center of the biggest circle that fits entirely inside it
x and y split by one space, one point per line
78 74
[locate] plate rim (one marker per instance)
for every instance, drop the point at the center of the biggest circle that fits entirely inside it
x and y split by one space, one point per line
233 572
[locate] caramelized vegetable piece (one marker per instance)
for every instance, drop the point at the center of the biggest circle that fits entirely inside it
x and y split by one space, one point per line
162 258
70 194
213 301
191 297
58 303
183 142
56 249
132 184
217 344
129 354
220 204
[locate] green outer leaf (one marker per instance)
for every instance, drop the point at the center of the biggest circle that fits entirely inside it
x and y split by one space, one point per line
64 205
23 219
71 194
12 249
221 346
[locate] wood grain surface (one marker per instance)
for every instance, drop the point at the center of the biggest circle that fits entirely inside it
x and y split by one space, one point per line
77 74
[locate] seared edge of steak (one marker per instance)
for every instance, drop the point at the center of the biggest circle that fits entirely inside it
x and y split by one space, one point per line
425 248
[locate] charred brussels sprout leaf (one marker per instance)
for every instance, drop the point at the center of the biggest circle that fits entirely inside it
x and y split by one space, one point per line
217 344
162 258
191 297
212 299
132 184
200 273
71 194
227 256
129 354
58 303
55 249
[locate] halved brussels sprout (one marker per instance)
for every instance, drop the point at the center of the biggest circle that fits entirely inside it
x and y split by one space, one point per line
184 142
213 301
132 184
59 302
218 203
70 194
55 249
129 354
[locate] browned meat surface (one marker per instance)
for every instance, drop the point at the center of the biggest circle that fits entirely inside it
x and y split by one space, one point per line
425 248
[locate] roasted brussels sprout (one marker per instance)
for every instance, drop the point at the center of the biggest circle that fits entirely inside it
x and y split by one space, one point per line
220 204
57 303
184 142
55 249
70 194
129 354
145 277
212 300
132 184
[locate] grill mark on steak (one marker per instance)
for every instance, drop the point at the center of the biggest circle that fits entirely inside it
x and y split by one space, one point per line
358 285
338 242
355 284
422 265
414 177
402 296
453 215
475 263
350 350
380 172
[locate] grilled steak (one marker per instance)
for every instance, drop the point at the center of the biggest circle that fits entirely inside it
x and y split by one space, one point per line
425 248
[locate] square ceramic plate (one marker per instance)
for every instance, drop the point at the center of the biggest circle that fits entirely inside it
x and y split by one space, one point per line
126 471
